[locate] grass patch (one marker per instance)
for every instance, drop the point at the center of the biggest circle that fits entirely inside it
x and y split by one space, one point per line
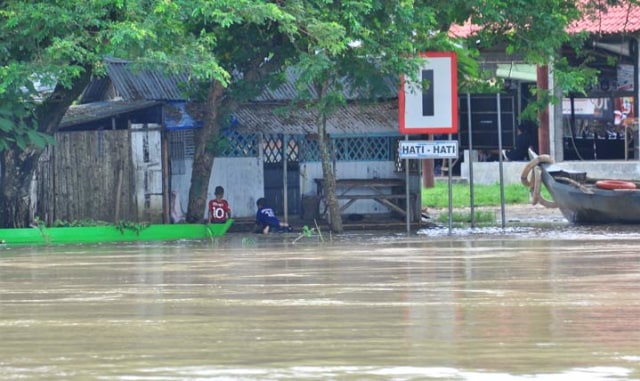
482 217
484 195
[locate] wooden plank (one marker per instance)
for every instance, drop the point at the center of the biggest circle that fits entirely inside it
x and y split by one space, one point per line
372 196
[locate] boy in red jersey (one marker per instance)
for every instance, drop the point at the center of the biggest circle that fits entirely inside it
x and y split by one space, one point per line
219 209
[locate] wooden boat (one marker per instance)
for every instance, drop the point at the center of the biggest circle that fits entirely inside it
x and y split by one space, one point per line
112 233
581 199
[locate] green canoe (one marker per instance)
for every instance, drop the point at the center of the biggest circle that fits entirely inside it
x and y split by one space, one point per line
98 234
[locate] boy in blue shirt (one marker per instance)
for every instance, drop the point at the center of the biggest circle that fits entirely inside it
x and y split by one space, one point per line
266 219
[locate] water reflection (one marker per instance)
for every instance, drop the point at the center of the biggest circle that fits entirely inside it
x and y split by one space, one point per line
532 304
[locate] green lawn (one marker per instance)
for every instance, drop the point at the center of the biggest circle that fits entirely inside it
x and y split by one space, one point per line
484 195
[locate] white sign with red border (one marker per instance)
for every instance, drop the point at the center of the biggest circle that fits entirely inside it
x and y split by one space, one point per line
434 108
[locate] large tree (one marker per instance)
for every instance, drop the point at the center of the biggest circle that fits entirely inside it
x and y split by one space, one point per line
48 52
249 41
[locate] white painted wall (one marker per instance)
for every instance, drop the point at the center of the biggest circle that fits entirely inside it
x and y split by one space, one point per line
241 179
350 170
488 173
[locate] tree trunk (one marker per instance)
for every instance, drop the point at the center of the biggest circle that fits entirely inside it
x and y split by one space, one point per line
19 165
335 219
206 141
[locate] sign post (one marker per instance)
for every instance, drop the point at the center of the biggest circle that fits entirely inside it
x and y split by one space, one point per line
430 106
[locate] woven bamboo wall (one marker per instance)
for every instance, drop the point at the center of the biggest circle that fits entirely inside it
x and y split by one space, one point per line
93 176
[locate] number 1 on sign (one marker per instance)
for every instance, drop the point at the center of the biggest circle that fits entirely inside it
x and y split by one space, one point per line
427 93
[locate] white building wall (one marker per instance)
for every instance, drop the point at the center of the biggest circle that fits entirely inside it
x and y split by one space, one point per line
241 178
350 170
243 181
488 173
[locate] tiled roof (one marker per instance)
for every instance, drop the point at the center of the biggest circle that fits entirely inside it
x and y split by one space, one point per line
612 20
618 19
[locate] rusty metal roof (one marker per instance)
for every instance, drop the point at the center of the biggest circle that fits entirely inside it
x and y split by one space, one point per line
354 119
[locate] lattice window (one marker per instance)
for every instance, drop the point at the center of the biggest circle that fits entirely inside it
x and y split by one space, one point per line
181 148
235 144
293 151
371 148
309 150
377 148
273 145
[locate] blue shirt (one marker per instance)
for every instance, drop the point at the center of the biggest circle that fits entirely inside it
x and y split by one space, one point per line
266 216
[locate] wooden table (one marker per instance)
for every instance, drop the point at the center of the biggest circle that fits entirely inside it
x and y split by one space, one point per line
388 192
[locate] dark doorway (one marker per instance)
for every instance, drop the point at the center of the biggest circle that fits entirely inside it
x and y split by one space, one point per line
274 149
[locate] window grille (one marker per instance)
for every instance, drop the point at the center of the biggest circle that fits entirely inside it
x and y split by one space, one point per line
273 145
309 150
181 148
235 144
371 148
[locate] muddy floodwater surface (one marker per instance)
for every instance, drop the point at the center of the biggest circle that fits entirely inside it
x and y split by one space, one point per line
520 304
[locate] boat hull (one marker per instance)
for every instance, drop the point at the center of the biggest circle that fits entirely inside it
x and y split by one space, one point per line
591 205
100 234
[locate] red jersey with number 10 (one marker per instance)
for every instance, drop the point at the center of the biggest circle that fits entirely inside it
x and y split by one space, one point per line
219 210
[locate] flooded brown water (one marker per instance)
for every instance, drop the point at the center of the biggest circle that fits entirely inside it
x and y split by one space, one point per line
519 304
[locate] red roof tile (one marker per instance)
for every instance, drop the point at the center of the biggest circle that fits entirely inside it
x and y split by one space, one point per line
618 19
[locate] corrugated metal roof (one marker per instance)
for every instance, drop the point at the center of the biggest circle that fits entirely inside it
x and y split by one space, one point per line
354 119
287 90
145 84
99 89
89 112
130 83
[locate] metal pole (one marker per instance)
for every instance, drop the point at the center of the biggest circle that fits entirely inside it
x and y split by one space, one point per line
406 191
471 188
285 179
450 193
500 161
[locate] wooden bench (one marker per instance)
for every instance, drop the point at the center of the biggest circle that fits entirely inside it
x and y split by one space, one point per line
387 192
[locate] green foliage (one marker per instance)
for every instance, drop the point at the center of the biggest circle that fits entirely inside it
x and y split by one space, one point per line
137 227
17 127
44 44
79 223
481 217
